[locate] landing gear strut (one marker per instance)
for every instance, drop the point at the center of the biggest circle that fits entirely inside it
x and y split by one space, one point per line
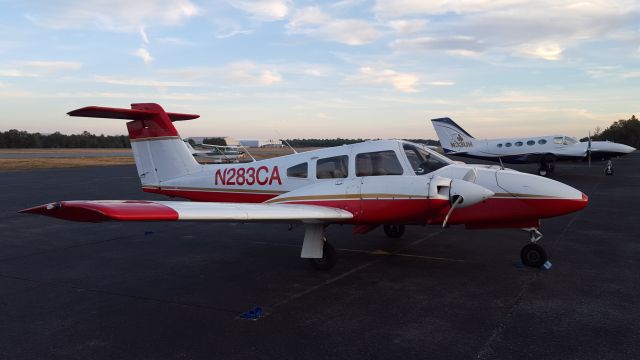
394 231
547 166
533 254
328 259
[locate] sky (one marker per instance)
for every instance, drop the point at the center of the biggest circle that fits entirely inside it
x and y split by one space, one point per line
305 69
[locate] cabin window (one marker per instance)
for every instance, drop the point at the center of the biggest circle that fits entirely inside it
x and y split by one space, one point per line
531 142
298 171
507 144
499 145
378 163
422 161
518 143
558 140
333 167
542 141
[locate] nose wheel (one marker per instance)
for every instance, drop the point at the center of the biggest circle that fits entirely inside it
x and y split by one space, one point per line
532 254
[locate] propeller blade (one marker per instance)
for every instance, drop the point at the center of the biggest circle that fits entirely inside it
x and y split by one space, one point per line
589 149
453 206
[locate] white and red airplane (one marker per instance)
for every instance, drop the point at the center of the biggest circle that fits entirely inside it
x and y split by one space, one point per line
545 150
387 182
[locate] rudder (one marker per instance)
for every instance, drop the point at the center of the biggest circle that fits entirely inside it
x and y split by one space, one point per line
452 137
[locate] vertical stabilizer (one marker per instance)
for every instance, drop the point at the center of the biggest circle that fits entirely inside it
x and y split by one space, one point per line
452 137
159 152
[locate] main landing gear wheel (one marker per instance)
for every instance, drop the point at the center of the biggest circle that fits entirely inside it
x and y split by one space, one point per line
328 259
547 166
394 231
533 255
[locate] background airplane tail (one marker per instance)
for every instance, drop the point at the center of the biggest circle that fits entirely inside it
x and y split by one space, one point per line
452 137
159 153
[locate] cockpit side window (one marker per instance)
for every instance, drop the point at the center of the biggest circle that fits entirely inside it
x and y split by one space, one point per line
378 163
569 140
558 140
333 167
298 171
422 161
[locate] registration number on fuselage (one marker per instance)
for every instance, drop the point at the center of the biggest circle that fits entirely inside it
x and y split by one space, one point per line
262 175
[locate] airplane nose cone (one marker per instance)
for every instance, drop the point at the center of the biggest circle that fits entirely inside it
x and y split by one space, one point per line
545 197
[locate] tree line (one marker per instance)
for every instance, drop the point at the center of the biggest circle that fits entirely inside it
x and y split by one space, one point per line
622 131
22 139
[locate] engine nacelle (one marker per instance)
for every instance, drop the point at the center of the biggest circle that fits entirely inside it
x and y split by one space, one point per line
470 193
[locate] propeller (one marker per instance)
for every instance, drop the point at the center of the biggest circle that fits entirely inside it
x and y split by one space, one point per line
463 192
589 149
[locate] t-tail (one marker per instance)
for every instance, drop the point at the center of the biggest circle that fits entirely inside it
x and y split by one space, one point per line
159 152
452 137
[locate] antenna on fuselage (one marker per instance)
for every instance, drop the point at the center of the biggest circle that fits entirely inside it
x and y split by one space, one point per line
286 142
247 151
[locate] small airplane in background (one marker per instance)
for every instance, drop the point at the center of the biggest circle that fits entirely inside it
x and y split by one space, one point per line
384 182
545 150
215 153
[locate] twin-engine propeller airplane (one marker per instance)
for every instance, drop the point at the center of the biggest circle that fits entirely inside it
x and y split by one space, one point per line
387 182
545 150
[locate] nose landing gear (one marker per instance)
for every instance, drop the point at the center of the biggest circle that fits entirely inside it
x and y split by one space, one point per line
532 254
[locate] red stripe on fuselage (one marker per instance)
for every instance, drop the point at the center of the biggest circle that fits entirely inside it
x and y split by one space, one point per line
511 210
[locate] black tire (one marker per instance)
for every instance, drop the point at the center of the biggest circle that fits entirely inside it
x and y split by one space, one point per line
328 259
394 231
533 255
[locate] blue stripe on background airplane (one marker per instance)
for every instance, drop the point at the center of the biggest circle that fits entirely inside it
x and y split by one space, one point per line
545 150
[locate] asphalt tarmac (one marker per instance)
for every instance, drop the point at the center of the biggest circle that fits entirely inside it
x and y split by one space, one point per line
177 290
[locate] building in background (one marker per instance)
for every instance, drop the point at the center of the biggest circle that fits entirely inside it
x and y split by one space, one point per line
259 143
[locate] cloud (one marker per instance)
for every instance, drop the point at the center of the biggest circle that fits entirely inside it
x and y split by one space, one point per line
452 44
143 35
53 65
403 82
312 21
234 33
247 72
170 40
265 10
542 29
441 83
143 54
546 51
39 68
398 8
114 15
406 27
144 82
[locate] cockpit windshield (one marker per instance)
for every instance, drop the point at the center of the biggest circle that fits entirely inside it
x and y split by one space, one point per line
422 160
568 140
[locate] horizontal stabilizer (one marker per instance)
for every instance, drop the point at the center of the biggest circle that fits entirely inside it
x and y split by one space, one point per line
128 114
134 210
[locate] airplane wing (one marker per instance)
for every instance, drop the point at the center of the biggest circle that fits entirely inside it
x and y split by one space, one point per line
134 210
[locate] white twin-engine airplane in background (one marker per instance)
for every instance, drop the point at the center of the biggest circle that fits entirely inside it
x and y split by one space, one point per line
545 150
387 182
